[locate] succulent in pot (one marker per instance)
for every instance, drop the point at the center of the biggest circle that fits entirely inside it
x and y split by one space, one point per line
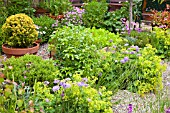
19 31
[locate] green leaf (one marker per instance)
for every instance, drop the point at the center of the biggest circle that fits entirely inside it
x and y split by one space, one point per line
19 103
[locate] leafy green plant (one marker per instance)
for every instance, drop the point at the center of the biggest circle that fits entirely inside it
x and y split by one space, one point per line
44 27
58 7
140 38
163 42
19 31
28 68
113 20
19 6
73 96
76 47
94 13
13 96
3 13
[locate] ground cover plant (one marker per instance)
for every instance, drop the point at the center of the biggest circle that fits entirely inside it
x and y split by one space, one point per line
28 69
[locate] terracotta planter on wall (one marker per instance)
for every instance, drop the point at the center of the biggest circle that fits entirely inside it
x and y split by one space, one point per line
17 52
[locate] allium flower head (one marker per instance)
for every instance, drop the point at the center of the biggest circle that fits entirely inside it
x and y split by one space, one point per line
56 88
82 84
56 81
130 108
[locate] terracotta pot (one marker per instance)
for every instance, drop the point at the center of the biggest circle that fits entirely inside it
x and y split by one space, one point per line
17 52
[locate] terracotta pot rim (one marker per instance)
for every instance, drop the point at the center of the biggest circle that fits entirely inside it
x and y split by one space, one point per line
20 51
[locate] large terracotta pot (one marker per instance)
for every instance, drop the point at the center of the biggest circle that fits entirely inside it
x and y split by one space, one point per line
17 52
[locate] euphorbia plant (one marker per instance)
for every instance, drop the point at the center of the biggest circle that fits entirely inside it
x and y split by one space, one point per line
19 31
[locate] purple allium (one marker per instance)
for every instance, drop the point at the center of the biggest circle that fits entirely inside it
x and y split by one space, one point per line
122 61
132 52
62 94
82 84
56 81
126 59
130 108
47 100
66 85
46 82
110 40
167 110
56 88
84 79
137 48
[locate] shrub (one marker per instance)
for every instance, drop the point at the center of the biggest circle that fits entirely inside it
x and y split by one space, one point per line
19 31
28 68
76 47
94 14
162 43
44 27
161 19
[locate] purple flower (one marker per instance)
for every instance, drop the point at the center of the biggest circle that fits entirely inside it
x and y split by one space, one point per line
126 59
47 100
25 77
110 40
122 61
82 84
167 110
56 81
130 108
56 88
132 52
84 79
62 94
66 85
46 82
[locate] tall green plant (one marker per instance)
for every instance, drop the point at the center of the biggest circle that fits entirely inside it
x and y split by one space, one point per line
94 13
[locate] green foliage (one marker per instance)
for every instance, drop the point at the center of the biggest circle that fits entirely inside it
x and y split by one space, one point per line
1 40
58 7
76 47
140 38
19 6
19 31
3 13
97 52
94 13
13 96
28 68
113 20
44 27
163 42
76 96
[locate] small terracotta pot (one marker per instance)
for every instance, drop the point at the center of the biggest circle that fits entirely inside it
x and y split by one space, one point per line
17 52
